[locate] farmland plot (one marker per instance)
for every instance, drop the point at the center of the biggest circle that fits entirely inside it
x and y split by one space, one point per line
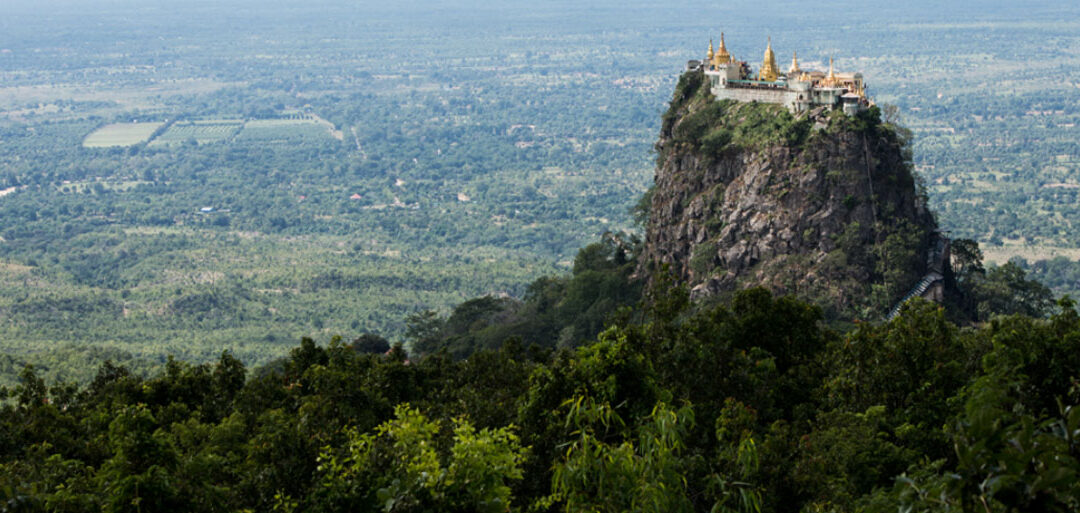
202 132
284 131
120 134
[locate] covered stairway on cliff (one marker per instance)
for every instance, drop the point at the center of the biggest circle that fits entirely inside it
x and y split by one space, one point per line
918 290
936 261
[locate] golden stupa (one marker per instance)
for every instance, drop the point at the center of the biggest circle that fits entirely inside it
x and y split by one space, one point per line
769 71
722 56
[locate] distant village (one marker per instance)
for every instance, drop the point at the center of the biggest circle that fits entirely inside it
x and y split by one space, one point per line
799 90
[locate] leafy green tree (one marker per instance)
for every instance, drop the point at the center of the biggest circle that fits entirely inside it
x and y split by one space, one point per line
371 343
400 468
227 380
731 485
44 481
1005 290
911 367
280 459
967 259
759 350
1005 462
602 476
138 476
422 332
1039 357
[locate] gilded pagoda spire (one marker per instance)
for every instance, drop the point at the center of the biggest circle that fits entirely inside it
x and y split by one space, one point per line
830 79
769 71
722 56
709 56
794 70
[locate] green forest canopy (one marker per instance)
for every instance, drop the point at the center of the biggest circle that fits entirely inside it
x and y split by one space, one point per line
748 406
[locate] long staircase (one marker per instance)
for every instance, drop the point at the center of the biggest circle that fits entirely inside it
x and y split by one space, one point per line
917 290
937 258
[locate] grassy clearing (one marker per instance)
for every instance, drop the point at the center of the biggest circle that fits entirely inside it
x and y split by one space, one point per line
120 134
1032 253
105 185
11 268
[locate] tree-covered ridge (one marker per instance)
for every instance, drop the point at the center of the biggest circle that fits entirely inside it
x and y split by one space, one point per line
748 406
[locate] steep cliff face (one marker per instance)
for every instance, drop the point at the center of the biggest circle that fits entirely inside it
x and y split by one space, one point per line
823 206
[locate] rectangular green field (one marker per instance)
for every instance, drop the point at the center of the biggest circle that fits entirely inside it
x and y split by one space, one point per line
283 131
120 134
201 131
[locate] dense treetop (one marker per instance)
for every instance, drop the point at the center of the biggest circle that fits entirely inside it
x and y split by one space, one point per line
748 406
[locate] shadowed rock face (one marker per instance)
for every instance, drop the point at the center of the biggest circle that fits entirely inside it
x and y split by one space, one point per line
823 206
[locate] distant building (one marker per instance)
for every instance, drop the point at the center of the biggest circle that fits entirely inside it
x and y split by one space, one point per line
799 90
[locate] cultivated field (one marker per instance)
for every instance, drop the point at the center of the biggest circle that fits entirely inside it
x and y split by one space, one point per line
120 134
283 131
202 132
295 130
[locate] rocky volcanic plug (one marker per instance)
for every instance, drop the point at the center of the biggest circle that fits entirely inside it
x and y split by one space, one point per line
821 205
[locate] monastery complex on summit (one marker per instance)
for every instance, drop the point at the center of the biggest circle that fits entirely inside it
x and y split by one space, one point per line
799 90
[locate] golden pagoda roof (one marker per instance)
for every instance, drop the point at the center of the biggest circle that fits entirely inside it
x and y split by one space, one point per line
722 54
831 80
769 71
794 70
